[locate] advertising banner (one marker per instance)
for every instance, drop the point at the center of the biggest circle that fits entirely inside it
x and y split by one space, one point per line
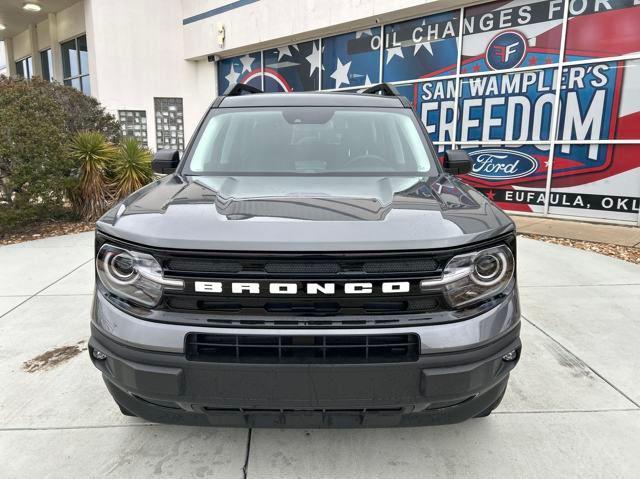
505 35
244 69
503 113
292 68
351 60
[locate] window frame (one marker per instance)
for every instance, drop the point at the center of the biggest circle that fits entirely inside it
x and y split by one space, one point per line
47 54
25 62
68 80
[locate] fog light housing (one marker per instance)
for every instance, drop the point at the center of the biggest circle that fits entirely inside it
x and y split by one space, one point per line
510 356
99 355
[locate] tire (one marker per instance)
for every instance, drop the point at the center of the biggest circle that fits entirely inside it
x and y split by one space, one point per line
491 408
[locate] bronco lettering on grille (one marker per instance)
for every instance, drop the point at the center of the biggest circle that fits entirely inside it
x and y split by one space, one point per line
390 287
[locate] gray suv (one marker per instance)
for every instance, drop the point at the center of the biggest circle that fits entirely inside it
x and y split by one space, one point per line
308 262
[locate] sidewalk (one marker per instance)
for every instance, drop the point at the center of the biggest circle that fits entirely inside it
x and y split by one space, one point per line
576 230
572 408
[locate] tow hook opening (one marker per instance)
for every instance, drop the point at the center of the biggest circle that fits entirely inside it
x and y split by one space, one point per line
510 356
98 355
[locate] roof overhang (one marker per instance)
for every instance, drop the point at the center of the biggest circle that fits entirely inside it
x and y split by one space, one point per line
17 20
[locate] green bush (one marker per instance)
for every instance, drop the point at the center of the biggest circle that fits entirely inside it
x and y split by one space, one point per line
131 168
92 154
82 112
106 173
34 169
37 121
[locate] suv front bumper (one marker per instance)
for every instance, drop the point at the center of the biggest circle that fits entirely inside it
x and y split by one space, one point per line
457 376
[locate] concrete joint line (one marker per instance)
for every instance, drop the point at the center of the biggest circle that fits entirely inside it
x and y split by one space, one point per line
585 363
577 285
570 411
78 428
245 466
48 286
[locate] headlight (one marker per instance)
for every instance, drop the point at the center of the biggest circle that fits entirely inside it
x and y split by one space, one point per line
133 275
472 277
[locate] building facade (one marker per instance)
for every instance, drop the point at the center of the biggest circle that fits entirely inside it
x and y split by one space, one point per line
544 95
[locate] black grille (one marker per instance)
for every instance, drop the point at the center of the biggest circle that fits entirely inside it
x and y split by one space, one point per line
303 265
274 306
322 349
202 266
416 266
300 310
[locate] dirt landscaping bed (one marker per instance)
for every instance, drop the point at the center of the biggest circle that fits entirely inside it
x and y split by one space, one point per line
626 253
44 229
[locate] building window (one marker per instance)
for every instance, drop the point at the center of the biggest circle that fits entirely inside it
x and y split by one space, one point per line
169 124
75 64
24 68
47 65
133 124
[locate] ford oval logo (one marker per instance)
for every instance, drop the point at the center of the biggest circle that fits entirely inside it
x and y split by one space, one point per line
497 164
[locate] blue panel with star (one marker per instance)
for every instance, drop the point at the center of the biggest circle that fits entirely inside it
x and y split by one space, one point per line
243 69
420 48
352 59
292 67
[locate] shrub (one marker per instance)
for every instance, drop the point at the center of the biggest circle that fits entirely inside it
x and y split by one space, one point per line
82 112
92 155
131 168
37 121
33 165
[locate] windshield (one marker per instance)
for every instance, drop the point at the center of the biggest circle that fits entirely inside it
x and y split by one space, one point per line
304 140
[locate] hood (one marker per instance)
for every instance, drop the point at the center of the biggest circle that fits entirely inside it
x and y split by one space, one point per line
293 213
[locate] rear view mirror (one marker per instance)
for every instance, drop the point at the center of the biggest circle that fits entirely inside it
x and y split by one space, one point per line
165 161
457 162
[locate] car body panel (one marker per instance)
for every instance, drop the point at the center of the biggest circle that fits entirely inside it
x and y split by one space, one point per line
306 213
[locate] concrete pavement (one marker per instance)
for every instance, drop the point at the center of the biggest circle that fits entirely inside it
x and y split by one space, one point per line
572 408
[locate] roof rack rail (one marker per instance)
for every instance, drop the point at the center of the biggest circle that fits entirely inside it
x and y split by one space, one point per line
239 88
382 88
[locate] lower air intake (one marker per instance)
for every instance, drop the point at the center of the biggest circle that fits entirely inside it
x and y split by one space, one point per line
276 349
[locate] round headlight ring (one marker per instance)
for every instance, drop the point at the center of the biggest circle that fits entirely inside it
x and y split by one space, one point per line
489 278
121 267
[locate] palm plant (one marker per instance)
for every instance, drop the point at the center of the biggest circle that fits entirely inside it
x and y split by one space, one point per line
131 169
92 154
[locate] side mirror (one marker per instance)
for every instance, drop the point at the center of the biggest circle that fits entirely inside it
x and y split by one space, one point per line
165 161
457 162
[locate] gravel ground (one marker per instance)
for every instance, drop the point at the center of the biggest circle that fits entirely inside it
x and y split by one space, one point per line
626 253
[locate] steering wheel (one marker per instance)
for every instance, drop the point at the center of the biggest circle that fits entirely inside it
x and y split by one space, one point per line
371 158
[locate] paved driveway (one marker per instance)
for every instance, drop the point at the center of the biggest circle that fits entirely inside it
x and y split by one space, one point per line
572 408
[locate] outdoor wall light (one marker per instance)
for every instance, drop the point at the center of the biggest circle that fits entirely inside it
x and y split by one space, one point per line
31 7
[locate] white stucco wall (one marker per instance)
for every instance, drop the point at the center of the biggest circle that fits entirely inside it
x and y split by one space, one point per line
71 22
128 71
272 22
21 46
44 41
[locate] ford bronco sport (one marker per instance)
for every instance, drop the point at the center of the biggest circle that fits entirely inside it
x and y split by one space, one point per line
308 262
